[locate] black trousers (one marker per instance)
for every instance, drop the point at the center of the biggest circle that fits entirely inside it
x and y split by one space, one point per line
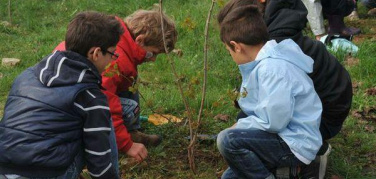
337 7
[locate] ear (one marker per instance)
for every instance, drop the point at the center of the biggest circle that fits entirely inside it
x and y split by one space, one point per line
237 46
93 53
261 1
140 40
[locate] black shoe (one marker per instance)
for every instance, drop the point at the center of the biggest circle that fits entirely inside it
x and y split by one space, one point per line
317 168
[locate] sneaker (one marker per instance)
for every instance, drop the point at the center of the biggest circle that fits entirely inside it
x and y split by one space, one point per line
317 168
349 31
147 140
324 160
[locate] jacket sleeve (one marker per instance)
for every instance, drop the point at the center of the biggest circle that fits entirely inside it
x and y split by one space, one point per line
92 104
111 85
274 110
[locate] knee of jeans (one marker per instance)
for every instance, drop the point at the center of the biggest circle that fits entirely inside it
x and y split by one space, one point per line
223 141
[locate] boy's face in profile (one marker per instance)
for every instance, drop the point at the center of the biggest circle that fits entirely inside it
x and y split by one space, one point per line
151 50
238 57
151 53
101 59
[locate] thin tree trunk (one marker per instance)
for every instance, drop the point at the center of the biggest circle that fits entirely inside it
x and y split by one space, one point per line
9 12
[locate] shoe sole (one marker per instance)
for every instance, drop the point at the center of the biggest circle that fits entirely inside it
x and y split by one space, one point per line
323 162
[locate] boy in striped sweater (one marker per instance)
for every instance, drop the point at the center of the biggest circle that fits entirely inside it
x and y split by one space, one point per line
56 118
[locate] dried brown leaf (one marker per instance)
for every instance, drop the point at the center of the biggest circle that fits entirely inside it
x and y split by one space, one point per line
369 128
356 84
222 117
357 114
368 114
351 61
373 30
189 24
371 91
158 119
336 177
178 52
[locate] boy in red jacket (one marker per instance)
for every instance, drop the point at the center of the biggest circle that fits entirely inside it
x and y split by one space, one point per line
141 42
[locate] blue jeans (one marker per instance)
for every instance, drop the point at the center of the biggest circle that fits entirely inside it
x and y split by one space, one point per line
131 110
114 150
253 153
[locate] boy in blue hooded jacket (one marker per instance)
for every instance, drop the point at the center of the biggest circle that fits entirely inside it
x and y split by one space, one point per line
283 110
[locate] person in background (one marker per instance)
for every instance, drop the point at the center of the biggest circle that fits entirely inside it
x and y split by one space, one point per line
315 17
45 135
335 11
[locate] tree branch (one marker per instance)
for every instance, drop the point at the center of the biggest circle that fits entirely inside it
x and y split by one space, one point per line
9 12
194 136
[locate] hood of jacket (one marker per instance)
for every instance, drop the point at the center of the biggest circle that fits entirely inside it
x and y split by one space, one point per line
66 68
284 51
285 17
129 47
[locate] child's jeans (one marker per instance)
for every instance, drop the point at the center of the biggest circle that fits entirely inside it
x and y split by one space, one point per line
131 110
253 153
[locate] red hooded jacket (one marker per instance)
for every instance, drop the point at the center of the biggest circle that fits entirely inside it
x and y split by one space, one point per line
130 56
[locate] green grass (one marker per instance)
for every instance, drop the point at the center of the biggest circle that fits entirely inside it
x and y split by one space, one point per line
39 25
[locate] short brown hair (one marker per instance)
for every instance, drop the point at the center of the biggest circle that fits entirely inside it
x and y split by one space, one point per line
148 23
232 4
244 25
92 29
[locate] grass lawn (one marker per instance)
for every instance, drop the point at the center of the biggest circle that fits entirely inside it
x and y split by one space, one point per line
37 26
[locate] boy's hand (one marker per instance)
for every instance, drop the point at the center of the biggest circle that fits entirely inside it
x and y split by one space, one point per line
138 151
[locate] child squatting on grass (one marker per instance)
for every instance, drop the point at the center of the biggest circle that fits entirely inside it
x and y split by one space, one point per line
332 82
283 110
56 118
141 42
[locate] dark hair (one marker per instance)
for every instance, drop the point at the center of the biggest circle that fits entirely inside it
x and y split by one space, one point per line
92 29
244 25
232 4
